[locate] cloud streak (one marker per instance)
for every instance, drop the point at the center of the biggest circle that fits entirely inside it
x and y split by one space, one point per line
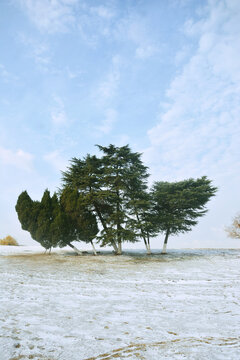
198 129
55 159
50 16
58 114
19 159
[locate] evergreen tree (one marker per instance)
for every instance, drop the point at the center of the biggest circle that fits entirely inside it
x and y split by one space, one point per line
79 220
139 200
86 177
24 208
124 178
114 189
46 215
45 221
178 205
28 211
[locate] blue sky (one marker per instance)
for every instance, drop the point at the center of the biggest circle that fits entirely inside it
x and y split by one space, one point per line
162 76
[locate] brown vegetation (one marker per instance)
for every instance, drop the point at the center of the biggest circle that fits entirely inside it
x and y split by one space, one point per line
9 240
233 231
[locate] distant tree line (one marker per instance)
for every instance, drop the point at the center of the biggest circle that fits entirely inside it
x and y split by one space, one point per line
107 199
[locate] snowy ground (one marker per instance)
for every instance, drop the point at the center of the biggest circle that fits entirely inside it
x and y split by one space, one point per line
184 305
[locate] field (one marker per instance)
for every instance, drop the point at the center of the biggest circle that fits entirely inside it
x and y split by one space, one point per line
184 305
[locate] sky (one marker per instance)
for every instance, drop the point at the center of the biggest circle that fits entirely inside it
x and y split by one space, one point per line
160 75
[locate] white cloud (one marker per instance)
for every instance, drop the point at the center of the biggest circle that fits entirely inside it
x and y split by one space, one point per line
146 51
55 159
6 76
50 15
198 133
107 124
137 32
102 11
105 95
58 114
96 22
39 51
73 74
107 89
19 159
58 117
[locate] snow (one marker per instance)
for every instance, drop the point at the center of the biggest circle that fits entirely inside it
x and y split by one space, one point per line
183 305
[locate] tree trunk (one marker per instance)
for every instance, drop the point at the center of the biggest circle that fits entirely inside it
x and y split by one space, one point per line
114 247
146 242
75 249
119 250
104 225
148 246
94 250
119 240
164 250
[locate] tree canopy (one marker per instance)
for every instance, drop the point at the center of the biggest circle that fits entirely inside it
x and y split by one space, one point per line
178 205
107 199
110 186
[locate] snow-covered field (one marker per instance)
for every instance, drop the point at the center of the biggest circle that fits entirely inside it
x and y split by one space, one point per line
184 305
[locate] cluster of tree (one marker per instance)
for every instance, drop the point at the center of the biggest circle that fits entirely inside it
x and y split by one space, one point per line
107 199
233 230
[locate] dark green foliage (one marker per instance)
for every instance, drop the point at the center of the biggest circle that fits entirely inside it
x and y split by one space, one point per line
116 163
85 177
40 218
56 222
28 212
81 222
111 187
125 178
111 193
45 219
24 209
178 205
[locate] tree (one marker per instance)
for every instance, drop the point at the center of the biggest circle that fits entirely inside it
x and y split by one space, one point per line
178 205
28 211
77 218
113 187
9 240
233 230
116 162
46 220
38 217
85 176
139 200
125 180
48 211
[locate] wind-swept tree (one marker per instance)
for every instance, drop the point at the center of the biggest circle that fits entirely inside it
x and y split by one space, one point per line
233 230
178 205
